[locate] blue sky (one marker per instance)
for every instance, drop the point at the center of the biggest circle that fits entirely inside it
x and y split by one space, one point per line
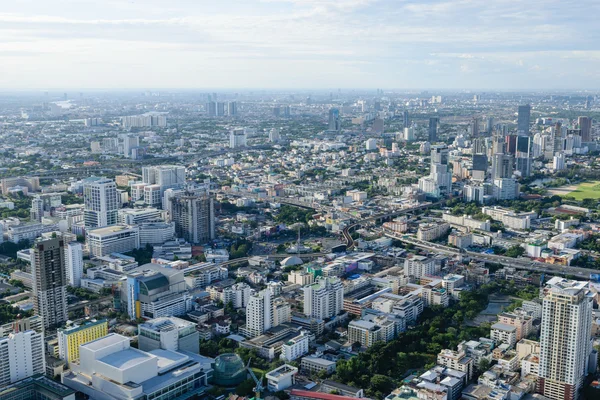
445 44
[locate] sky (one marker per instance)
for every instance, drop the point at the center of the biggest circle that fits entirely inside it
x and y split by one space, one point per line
305 44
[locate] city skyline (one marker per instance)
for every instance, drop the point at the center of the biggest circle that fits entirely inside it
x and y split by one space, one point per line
302 44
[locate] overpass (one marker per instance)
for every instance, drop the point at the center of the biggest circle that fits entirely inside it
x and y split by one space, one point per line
518 263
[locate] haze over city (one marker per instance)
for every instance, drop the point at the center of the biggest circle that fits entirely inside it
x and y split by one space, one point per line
467 44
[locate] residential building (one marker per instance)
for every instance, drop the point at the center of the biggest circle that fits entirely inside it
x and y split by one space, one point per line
237 138
49 281
504 333
74 263
237 295
194 216
457 360
419 266
70 338
323 299
22 355
430 231
368 331
156 233
259 313
520 319
565 338
295 347
101 202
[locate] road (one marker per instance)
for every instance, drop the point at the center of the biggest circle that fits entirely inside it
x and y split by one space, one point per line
518 263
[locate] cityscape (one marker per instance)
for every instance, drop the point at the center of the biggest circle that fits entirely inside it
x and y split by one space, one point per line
320 236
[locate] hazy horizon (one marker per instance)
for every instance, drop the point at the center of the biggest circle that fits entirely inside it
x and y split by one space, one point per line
543 45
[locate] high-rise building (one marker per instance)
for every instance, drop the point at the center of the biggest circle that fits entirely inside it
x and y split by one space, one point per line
21 356
194 216
433 125
49 281
211 109
164 177
585 124
274 135
237 138
220 109
558 138
101 202
474 126
565 338
232 109
70 338
168 333
259 313
334 120
37 209
502 166
324 298
523 118
405 119
490 126
130 142
74 263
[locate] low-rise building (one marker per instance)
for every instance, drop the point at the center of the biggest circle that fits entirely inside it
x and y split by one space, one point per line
432 231
315 365
504 333
112 239
70 338
281 378
168 333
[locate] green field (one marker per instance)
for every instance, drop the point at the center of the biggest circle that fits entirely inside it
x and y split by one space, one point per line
587 190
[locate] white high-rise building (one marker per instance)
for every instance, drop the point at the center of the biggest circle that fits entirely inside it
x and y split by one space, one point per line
259 313
324 298
565 338
37 209
237 138
558 162
74 263
274 135
165 176
130 142
419 266
101 202
21 356
371 144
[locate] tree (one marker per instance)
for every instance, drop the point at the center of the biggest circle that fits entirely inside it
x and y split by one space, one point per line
245 388
515 251
484 365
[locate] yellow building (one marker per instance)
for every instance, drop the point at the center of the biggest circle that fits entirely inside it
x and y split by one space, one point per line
69 339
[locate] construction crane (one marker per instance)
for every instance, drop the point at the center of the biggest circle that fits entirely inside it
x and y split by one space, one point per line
259 388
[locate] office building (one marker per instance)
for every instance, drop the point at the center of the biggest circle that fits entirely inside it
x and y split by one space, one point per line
152 291
324 298
49 281
112 239
156 233
523 118
194 216
565 338
74 263
490 126
259 313
474 127
168 333
101 202
110 369
70 338
433 126
237 138
585 124
502 166
165 177
335 124
22 355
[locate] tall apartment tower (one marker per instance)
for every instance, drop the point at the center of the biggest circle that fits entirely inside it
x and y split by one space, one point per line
211 109
405 119
166 177
259 313
334 120
585 124
324 298
433 125
194 216
474 127
74 263
101 202
232 109
523 117
21 356
49 281
37 209
565 338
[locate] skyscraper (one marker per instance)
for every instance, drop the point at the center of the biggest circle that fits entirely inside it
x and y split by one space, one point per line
166 177
259 313
502 166
523 117
334 120
565 338
211 109
490 126
237 138
585 124
324 298
474 127
101 202
49 281
220 109
405 119
194 216
433 123
130 142
232 108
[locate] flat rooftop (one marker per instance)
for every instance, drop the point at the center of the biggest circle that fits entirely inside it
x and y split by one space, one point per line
108 340
126 359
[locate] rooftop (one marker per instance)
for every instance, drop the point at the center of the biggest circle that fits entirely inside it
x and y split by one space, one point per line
126 359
